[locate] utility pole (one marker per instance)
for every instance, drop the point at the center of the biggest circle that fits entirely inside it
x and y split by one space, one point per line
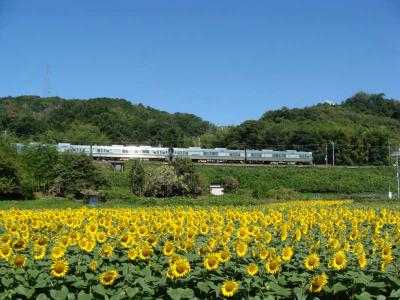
333 154
398 178
326 154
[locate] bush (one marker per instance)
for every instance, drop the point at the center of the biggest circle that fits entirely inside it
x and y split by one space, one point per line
163 182
230 184
137 178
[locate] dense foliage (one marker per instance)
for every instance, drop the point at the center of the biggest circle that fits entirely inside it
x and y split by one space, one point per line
179 178
362 127
296 250
98 121
41 169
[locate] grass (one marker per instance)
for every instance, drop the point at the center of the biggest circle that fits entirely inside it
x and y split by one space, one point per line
205 201
45 203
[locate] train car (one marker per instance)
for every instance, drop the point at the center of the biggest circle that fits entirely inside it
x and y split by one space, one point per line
196 154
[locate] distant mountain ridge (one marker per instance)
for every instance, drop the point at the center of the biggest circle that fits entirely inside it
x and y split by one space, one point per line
362 127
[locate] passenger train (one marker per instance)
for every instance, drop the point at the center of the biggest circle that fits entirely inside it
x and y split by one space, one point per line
196 154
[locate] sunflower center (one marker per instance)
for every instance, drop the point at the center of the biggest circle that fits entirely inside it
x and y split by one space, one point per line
212 261
181 268
59 268
230 286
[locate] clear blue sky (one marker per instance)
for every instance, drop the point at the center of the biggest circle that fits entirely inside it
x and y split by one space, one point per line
226 61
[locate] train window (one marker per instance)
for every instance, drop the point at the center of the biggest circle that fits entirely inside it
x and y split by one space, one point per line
255 154
235 154
278 155
210 153
145 151
124 151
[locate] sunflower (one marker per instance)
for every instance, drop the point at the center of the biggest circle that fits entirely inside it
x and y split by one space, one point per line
211 262
362 260
229 288
106 251
358 248
57 252
93 265
311 262
19 261
385 262
225 255
126 240
38 252
318 283
59 268
339 260
19 245
169 273
42 241
272 266
101 237
386 251
287 253
241 249
132 253
181 268
168 248
108 277
5 252
252 269
146 252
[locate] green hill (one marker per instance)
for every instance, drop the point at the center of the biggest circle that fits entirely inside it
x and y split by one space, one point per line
100 121
362 127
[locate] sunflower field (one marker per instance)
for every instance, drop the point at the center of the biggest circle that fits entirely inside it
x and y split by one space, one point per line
296 250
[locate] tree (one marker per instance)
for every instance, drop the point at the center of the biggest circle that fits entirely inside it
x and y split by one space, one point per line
39 162
137 178
76 172
10 180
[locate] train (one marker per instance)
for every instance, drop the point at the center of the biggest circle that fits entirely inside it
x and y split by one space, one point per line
196 154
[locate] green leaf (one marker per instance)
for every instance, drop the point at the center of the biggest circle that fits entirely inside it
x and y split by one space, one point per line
395 294
99 289
203 287
180 293
79 284
277 289
299 293
132 291
42 281
24 291
377 284
83 296
364 296
59 294
7 281
42 297
338 287
33 273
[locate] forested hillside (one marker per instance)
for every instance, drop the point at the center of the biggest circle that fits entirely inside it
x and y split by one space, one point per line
98 121
362 127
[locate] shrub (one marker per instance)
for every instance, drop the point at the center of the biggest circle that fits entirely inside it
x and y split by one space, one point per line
137 178
230 184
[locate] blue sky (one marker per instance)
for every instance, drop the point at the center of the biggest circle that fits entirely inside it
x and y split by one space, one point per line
226 61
